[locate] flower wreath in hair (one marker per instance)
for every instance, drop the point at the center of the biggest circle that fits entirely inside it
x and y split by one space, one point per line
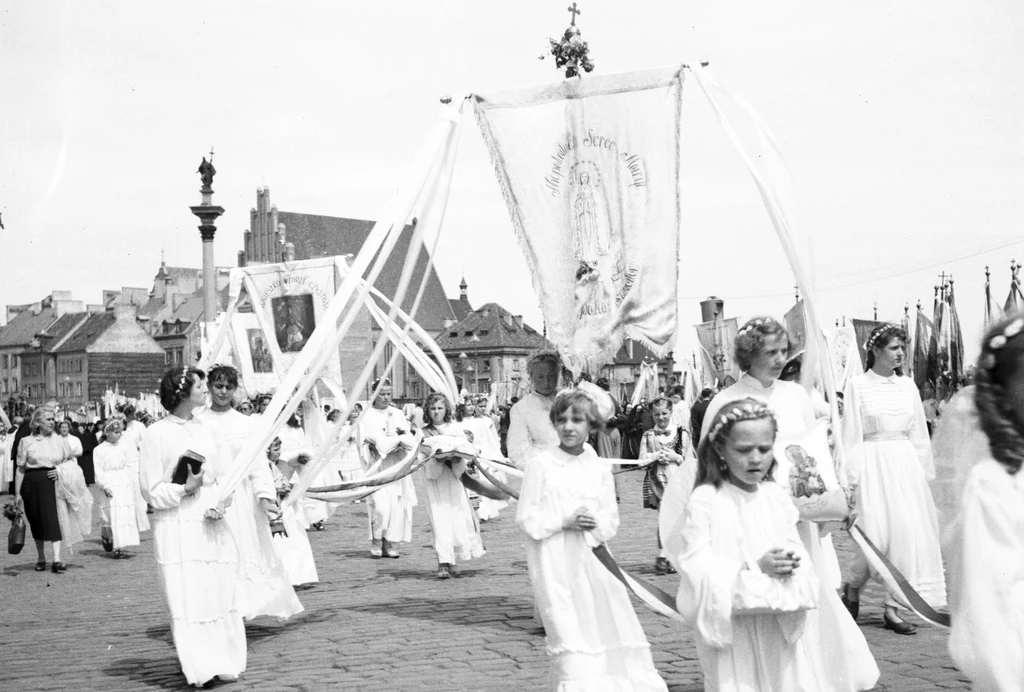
997 342
878 334
542 355
180 385
748 410
752 325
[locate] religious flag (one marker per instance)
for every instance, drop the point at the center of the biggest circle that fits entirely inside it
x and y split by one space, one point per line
939 350
844 355
956 341
993 313
1015 300
797 328
863 329
717 344
590 172
923 335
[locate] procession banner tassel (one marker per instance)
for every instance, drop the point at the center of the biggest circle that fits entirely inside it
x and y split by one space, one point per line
653 597
896 582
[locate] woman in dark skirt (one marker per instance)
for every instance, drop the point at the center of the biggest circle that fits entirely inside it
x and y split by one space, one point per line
35 483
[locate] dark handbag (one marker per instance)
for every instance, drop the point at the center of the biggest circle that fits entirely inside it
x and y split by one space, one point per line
16 537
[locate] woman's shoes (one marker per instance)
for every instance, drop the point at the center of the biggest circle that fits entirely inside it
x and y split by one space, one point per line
41 566
898 626
375 549
663 566
852 606
57 567
387 549
442 571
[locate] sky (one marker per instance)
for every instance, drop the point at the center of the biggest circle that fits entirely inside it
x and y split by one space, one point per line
900 123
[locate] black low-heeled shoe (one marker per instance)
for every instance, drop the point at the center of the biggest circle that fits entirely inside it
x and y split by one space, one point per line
41 566
852 606
898 627
58 567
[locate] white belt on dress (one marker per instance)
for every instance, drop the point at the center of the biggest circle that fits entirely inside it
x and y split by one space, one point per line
886 436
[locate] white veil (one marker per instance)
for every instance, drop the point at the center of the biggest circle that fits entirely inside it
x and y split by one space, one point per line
958 443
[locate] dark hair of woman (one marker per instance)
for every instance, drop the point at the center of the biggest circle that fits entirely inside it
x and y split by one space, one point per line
881 336
751 337
659 401
429 401
711 466
176 385
223 372
1000 363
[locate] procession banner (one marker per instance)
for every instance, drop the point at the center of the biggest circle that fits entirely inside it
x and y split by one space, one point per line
590 173
717 343
844 355
288 301
797 328
863 329
923 335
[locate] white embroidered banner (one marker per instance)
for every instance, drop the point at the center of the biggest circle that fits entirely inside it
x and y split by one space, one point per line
590 173
717 350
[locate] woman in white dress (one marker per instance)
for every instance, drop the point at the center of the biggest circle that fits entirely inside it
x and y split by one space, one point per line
890 457
452 521
566 509
747 583
264 587
986 542
117 474
195 552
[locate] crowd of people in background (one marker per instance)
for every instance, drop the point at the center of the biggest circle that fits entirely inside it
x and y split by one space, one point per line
760 579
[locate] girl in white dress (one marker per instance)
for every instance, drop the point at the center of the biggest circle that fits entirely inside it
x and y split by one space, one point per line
890 457
117 475
195 552
292 546
663 449
986 543
567 507
485 438
264 587
747 582
452 520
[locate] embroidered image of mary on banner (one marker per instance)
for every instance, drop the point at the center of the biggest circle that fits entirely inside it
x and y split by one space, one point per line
590 172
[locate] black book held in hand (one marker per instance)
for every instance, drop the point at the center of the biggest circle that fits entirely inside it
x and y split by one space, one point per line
195 460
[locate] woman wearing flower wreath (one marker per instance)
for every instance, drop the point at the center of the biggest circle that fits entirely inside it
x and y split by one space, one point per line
890 459
194 549
986 595
35 483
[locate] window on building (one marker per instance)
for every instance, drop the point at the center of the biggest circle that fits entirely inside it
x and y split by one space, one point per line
4 361
14 361
468 332
79 365
453 334
28 391
78 389
60 390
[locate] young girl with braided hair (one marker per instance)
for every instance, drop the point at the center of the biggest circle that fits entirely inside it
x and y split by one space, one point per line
985 545
746 580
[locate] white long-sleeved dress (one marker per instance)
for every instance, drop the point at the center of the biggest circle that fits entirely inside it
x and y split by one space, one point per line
890 454
725 533
452 521
843 646
117 470
594 638
530 430
264 587
485 438
390 508
294 548
196 557
986 595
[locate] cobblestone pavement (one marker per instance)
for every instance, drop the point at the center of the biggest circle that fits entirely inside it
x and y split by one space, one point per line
369 624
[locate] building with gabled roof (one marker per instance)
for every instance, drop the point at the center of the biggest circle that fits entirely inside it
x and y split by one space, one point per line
489 346
108 350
